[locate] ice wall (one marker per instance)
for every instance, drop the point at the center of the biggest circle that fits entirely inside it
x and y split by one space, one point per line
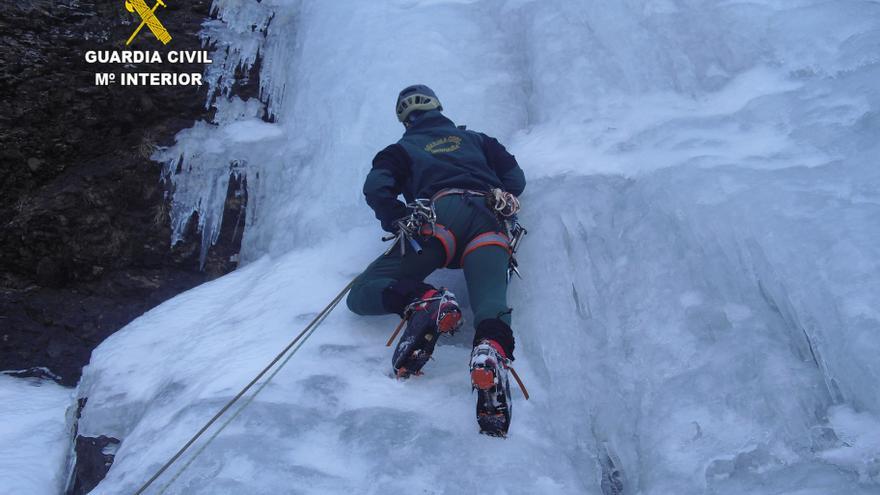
34 435
699 308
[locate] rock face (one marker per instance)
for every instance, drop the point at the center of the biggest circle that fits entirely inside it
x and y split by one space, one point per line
84 244
94 456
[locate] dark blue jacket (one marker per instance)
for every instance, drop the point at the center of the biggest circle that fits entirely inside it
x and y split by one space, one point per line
432 155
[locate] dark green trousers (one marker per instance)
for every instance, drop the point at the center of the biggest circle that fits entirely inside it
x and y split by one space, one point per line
485 268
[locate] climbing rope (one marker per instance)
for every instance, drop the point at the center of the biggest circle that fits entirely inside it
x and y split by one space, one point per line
422 211
295 344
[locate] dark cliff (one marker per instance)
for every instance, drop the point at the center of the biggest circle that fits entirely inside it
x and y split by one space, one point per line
84 244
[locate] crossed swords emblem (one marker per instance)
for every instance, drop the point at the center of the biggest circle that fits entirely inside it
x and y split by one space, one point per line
149 18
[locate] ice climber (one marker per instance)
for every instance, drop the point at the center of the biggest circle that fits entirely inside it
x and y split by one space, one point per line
461 189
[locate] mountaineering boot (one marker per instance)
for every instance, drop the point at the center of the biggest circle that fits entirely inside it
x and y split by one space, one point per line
435 312
489 379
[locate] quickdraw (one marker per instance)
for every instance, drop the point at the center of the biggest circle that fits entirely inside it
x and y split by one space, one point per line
515 232
421 213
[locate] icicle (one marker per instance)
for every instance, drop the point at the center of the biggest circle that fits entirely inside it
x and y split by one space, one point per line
198 167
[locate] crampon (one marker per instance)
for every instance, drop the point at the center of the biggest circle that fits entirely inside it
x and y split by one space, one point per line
433 314
489 379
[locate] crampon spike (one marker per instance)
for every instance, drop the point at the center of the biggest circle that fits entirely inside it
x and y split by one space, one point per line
405 373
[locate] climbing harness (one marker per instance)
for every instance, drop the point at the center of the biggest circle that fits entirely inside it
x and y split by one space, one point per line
454 191
294 345
446 238
486 239
505 207
500 202
423 220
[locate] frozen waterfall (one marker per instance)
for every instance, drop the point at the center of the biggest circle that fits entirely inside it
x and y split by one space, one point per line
702 284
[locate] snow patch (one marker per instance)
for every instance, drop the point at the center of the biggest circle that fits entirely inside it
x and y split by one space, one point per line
35 436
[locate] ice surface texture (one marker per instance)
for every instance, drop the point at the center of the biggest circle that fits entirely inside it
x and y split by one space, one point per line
699 310
34 435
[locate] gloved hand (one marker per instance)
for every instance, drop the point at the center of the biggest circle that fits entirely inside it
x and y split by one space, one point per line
503 203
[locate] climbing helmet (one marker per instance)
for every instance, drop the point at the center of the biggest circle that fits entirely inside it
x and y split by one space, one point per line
417 97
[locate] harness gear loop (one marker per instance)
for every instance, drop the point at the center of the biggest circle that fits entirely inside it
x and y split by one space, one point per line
456 191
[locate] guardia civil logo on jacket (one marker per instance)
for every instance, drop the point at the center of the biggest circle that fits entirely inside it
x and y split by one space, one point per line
445 145
444 156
